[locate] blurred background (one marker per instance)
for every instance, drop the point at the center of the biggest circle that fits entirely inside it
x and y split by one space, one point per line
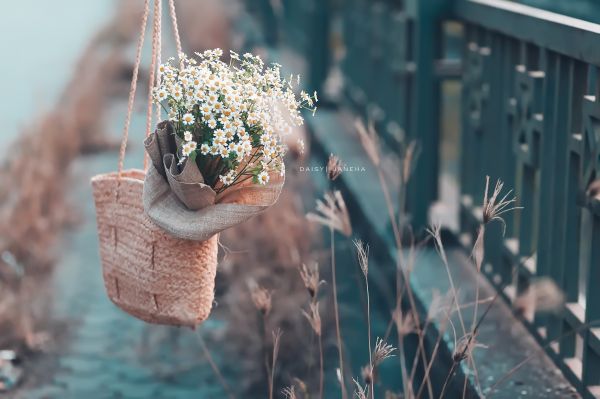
440 83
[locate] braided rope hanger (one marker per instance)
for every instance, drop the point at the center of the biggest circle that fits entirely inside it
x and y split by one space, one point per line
155 61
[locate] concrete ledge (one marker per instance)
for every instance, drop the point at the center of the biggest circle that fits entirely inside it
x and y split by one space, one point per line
508 341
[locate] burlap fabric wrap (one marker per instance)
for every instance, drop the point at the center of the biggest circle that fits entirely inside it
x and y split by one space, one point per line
176 198
147 272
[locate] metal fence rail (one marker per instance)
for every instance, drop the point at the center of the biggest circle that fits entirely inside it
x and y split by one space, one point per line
530 116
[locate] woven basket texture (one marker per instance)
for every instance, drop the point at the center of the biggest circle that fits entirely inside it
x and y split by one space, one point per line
147 272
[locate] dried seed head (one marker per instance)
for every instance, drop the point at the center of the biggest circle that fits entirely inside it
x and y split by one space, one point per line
332 213
381 352
301 385
435 232
440 304
314 318
261 297
276 343
367 374
410 156
360 392
334 167
369 140
405 322
289 392
494 206
362 251
465 347
310 277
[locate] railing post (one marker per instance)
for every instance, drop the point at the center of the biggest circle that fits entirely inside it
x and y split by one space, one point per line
318 47
423 189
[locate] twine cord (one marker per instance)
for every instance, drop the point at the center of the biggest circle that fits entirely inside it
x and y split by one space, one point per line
133 88
175 28
159 61
155 44
155 62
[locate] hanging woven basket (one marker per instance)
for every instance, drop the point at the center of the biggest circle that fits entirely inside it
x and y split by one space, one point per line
147 272
159 228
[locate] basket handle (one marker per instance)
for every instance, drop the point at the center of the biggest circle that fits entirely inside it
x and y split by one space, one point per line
156 46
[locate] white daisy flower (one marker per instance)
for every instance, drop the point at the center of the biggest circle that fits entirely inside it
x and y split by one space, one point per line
177 94
263 177
212 123
265 139
239 149
187 135
161 95
205 109
219 134
204 149
200 96
228 178
241 132
247 146
188 148
218 106
188 119
219 141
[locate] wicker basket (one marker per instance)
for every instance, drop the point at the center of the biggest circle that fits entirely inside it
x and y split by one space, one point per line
147 272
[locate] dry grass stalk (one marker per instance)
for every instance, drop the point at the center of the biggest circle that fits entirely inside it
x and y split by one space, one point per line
332 213
382 352
314 317
442 329
334 167
360 392
362 251
261 298
276 341
409 161
260 252
310 277
336 311
405 322
494 206
369 140
289 392
215 368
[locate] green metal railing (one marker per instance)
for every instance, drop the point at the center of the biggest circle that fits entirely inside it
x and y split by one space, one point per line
530 116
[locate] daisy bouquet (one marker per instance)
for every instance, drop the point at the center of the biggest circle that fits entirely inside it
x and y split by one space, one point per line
218 158
230 118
